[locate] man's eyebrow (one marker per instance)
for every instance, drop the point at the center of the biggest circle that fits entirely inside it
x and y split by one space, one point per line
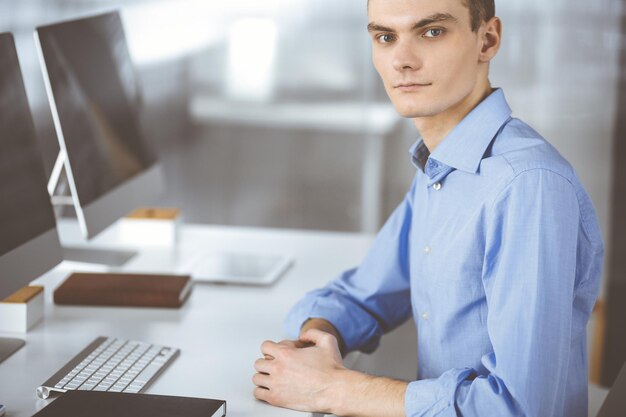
433 18
374 27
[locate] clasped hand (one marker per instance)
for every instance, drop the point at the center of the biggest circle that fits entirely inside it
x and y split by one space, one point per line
300 374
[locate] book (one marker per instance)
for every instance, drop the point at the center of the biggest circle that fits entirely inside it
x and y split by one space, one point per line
119 404
122 289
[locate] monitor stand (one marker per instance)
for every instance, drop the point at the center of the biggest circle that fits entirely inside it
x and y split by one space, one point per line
9 346
58 189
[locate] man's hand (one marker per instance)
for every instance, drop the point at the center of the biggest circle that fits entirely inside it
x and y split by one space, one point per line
325 326
308 375
301 375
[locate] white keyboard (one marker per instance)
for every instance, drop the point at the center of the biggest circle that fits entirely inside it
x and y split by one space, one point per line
110 364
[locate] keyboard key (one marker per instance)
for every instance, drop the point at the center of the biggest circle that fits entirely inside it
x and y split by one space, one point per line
135 385
147 373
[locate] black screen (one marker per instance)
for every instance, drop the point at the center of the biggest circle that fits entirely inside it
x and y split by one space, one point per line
25 209
96 96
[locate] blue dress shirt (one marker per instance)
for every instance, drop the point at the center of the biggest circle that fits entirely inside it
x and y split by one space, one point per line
496 253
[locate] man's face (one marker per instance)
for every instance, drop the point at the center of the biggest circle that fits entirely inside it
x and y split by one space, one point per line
425 52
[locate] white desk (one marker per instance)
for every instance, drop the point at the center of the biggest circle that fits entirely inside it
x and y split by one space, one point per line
219 329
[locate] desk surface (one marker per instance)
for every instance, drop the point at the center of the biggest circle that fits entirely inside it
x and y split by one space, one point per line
356 117
219 329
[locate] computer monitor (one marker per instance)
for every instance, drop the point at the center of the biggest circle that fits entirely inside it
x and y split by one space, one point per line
94 95
29 244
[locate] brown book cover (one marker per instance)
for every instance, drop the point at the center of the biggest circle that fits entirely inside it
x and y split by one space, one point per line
118 404
122 289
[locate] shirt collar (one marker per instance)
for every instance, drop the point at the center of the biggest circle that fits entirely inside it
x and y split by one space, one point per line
419 154
465 146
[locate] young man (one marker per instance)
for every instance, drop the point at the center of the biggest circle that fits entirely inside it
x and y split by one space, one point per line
495 251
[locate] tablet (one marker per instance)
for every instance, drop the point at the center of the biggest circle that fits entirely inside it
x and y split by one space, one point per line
240 268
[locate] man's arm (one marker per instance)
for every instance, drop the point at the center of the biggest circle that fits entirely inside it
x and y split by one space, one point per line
364 303
350 313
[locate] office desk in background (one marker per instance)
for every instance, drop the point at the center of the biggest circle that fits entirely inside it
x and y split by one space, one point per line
219 330
375 122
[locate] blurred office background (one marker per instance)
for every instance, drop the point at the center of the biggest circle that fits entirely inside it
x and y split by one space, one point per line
268 112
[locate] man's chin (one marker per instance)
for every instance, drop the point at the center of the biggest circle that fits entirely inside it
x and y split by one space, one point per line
410 109
413 113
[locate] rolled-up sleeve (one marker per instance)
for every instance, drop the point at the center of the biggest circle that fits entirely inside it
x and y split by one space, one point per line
366 302
530 280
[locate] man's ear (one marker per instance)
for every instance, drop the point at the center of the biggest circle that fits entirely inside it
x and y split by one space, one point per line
490 34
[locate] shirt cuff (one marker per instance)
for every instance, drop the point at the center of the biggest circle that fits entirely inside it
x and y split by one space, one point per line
435 397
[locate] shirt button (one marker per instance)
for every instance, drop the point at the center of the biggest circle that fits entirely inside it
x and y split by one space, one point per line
437 186
427 250
425 315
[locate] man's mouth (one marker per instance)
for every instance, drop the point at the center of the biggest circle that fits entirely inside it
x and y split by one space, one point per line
408 87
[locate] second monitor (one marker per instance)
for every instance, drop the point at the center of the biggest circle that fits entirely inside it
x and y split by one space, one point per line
94 95
29 243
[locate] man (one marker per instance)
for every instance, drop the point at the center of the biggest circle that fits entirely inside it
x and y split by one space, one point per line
495 251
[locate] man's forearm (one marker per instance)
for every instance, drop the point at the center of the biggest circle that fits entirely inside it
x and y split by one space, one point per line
361 395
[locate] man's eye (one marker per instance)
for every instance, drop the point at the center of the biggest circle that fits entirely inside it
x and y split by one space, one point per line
385 38
433 33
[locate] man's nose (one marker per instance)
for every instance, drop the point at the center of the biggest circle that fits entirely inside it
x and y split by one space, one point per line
406 57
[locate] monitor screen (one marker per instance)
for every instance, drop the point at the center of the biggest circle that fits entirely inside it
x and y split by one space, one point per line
95 97
25 209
